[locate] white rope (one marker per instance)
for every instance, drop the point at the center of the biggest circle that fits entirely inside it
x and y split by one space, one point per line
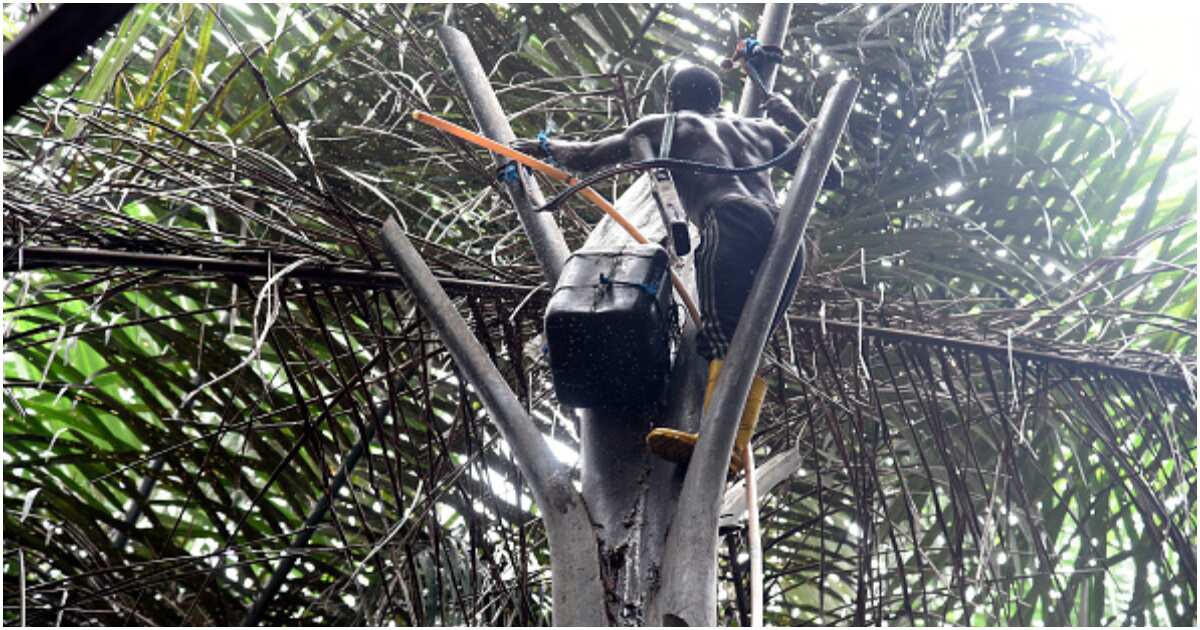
755 536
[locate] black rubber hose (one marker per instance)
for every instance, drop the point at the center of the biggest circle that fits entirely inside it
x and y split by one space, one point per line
643 165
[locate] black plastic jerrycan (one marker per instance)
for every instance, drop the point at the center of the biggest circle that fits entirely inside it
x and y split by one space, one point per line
608 327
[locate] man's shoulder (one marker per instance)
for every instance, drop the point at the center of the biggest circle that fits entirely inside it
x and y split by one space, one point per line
708 122
719 116
761 127
647 123
723 117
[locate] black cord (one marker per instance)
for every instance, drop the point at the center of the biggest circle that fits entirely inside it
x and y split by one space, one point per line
700 167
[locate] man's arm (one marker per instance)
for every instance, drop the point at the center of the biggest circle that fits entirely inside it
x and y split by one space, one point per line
780 110
589 156
780 142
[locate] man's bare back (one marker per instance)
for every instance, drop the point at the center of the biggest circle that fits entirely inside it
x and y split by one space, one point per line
716 138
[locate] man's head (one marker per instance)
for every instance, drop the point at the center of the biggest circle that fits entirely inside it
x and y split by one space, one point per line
695 88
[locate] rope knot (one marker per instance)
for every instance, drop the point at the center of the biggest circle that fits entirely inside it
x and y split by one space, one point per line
507 172
544 141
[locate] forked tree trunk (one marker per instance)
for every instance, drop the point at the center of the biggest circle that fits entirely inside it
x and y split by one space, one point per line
637 576
637 545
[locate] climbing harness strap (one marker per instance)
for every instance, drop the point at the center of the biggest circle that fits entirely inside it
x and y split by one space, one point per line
668 135
662 186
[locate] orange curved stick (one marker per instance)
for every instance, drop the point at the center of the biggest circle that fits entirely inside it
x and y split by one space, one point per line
531 162
561 175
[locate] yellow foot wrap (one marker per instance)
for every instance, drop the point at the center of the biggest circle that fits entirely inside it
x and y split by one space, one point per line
677 446
672 444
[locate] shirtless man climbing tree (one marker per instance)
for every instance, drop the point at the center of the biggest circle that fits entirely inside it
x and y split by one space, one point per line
736 214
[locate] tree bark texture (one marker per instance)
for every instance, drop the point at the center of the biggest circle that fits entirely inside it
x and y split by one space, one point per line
630 493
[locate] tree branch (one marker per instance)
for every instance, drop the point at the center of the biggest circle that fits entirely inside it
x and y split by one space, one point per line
30 258
59 257
548 243
578 592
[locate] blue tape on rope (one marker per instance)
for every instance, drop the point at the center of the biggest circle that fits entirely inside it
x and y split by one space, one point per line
544 140
508 173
